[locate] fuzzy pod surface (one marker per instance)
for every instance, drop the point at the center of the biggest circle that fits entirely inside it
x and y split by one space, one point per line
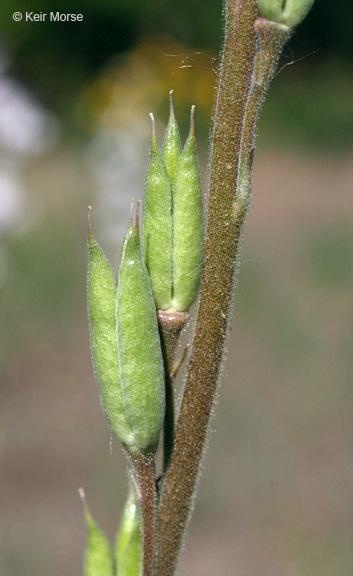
140 359
98 559
187 225
128 541
172 226
156 237
291 12
171 148
101 292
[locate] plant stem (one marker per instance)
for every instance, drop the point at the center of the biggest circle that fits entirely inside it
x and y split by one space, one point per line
170 324
144 471
215 304
271 39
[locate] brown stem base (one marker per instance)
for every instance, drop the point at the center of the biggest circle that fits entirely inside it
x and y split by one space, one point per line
143 469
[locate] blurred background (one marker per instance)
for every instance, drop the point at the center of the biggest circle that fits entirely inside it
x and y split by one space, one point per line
276 494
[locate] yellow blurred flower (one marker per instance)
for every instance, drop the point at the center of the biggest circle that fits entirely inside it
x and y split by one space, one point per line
138 81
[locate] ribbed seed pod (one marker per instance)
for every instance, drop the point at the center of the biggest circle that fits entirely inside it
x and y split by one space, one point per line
128 541
102 291
171 148
139 352
187 225
156 234
98 560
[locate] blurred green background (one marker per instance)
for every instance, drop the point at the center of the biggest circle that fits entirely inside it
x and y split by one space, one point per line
276 494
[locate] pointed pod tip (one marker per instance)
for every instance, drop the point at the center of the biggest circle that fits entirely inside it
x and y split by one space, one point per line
130 225
89 222
153 125
171 110
192 120
137 219
83 500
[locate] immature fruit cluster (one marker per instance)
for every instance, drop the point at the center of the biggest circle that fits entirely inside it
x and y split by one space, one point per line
164 274
172 219
158 272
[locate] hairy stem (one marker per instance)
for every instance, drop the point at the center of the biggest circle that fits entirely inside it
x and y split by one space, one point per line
224 224
271 38
143 468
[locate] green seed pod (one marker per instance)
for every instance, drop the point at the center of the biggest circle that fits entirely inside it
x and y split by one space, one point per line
102 291
98 560
187 225
171 148
156 235
128 541
291 12
140 358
